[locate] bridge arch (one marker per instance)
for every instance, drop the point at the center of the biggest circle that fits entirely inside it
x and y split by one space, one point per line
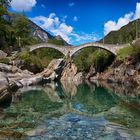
66 49
61 49
108 48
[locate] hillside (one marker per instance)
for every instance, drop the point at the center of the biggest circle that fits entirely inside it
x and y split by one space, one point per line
17 32
43 36
125 35
15 26
38 33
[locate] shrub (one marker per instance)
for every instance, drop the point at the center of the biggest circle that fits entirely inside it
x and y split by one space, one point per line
91 56
56 42
136 50
4 60
124 52
25 56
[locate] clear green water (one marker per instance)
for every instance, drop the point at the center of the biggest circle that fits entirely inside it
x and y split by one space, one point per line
39 111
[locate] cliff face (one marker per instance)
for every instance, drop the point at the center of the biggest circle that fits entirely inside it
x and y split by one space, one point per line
127 73
124 70
39 33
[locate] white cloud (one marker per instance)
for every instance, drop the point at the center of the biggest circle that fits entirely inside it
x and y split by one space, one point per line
53 24
58 26
64 31
64 18
75 18
23 5
71 4
85 37
114 26
137 12
43 6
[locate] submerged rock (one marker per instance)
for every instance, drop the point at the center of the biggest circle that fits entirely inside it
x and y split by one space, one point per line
10 134
72 126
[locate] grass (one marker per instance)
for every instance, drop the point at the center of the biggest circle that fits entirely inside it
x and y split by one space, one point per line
124 52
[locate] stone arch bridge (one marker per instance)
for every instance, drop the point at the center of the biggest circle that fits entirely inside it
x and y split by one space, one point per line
74 49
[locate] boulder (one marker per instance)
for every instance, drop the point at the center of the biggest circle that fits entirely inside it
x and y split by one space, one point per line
4 94
79 77
69 73
3 78
138 79
92 72
5 67
138 66
130 70
31 80
2 54
54 69
8 68
6 91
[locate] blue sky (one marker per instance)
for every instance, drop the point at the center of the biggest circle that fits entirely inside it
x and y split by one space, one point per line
79 21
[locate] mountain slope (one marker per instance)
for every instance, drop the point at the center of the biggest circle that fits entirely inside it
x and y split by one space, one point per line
19 23
39 33
125 35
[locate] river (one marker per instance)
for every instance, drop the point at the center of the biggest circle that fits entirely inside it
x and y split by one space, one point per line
68 111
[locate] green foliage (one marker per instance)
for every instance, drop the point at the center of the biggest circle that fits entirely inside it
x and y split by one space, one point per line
136 50
132 51
22 30
31 59
124 52
125 35
91 56
40 58
14 28
46 55
81 60
56 42
22 26
5 60
25 56
3 11
4 25
5 3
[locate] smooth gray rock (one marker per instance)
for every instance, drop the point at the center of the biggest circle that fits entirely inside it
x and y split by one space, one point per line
2 54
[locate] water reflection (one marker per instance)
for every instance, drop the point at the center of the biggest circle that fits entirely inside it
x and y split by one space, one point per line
29 107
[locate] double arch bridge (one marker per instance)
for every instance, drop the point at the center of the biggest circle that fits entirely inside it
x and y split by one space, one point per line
74 49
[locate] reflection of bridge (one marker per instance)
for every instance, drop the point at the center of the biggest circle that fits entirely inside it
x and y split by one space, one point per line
65 49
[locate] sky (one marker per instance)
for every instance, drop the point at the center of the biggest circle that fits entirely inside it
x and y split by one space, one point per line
79 21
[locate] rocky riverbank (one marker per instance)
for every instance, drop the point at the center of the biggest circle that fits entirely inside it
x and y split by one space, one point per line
127 72
12 77
124 70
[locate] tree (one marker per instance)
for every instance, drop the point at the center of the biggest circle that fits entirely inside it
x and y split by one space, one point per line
5 3
3 23
22 29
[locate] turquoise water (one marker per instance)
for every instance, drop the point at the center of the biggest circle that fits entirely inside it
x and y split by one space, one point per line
70 111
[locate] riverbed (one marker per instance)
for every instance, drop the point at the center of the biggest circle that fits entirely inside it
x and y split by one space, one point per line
68 111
